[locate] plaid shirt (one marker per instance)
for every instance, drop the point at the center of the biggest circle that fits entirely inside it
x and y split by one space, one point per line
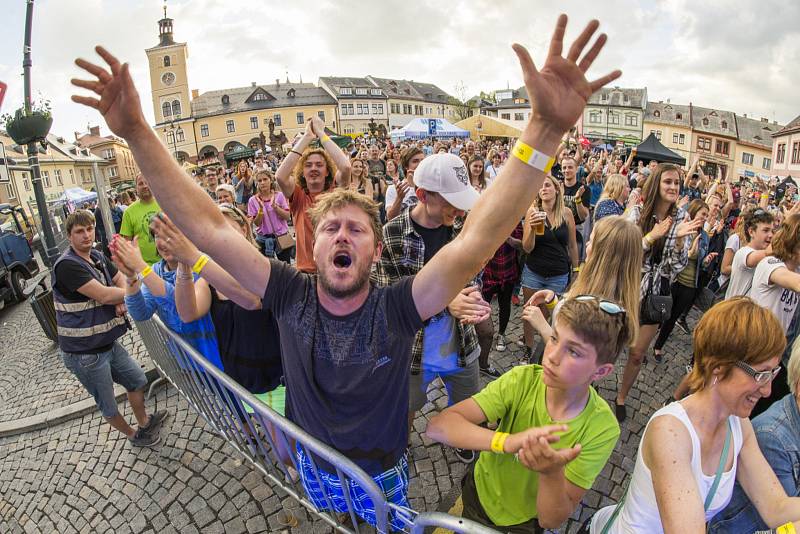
503 268
404 255
673 260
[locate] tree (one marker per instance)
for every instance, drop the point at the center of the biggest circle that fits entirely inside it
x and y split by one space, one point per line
462 105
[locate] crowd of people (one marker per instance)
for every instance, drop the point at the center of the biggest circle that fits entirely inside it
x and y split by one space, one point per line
386 284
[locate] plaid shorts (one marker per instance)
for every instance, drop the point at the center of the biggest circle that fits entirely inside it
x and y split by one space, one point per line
393 482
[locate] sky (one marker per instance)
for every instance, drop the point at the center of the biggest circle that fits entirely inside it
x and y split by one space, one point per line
737 55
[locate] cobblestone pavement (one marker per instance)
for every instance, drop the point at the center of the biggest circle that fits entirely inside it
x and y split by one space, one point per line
33 379
82 477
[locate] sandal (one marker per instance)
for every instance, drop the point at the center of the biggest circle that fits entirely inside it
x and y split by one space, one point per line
658 356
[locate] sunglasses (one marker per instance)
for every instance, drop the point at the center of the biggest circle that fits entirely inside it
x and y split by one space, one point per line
609 307
761 377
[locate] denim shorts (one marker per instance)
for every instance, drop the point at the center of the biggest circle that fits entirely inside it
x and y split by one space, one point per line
557 284
460 384
269 244
99 372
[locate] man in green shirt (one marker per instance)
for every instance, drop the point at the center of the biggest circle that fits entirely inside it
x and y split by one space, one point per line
136 221
555 432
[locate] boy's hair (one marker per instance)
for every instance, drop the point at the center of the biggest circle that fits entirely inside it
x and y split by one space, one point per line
79 218
340 198
407 154
329 164
787 239
793 368
608 334
736 329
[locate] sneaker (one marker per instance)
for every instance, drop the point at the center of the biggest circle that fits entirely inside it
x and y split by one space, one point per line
155 420
143 438
515 300
491 372
465 455
501 343
620 412
525 357
683 325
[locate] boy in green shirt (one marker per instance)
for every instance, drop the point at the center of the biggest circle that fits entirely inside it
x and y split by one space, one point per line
136 221
555 432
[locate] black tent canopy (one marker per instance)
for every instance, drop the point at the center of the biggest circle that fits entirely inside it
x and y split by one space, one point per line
651 148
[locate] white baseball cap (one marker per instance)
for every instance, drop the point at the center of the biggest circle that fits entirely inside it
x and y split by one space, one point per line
447 175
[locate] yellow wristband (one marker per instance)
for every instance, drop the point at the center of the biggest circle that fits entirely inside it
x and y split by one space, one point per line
146 271
764 195
325 138
552 304
787 528
530 156
579 200
200 263
498 440
648 239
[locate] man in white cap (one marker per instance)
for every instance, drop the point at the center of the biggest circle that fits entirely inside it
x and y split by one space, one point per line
447 346
346 342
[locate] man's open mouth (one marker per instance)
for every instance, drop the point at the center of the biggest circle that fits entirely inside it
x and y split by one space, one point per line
342 260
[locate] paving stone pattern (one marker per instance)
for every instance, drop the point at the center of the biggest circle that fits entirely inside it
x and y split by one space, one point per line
33 379
81 477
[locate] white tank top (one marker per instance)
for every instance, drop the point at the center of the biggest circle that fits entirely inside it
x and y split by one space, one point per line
639 514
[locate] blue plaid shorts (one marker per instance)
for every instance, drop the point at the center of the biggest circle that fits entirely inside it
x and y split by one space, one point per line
393 482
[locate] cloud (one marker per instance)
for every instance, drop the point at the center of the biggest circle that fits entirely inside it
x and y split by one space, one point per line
732 55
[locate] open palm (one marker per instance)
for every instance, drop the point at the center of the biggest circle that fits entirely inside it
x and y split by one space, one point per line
560 90
119 102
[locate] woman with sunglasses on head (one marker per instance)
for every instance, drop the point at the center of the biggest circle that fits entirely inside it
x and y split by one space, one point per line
667 235
548 237
692 451
776 286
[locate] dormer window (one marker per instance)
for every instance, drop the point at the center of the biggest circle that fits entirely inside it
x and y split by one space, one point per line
361 91
679 116
625 98
167 61
407 91
259 96
705 121
724 125
656 113
345 91
375 92
290 93
226 100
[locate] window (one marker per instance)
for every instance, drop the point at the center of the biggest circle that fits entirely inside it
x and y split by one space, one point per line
766 163
230 126
277 119
83 177
633 120
656 113
362 109
675 138
254 123
747 159
349 129
46 177
57 174
226 100
796 152
166 110
112 172
170 137
595 117
375 92
204 130
179 136
679 116
361 91
167 61
704 143
321 115
10 191
345 91
259 96
519 116
613 118
380 109
176 108
374 108
705 122
780 154
724 125
658 134
347 109
71 176
681 139
722 147
300 118
506 116
25 183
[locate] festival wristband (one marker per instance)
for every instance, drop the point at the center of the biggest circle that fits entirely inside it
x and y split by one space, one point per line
296 152
498 440
200 263
145 272
787 528
579 200
551 304
530 156
325 138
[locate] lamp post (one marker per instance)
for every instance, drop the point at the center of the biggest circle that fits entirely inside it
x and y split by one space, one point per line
51 252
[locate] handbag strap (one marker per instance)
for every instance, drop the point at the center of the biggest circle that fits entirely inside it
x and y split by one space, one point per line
722 460
710 497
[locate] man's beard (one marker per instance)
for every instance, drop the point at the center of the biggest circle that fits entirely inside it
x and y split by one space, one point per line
361 281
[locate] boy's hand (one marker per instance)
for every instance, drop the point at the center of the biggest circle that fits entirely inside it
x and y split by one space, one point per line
538 455
515 442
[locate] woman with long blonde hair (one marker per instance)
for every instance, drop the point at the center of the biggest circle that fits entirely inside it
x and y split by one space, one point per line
359 179
612 271
612 199
548 237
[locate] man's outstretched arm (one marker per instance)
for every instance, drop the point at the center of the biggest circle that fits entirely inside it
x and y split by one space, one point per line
189 207
558 93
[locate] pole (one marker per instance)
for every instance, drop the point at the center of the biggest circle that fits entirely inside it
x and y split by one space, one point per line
51 253
102 201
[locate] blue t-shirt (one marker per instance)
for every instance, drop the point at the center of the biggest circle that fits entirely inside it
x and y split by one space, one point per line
597 189
346 376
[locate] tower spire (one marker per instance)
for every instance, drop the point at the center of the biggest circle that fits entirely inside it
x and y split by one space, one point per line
165 29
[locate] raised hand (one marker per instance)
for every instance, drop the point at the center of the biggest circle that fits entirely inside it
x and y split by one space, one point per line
317 126
127 256
688 227
119 102
560 90
172 241
538 455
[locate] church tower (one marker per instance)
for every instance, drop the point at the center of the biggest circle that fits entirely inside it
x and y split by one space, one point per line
169 86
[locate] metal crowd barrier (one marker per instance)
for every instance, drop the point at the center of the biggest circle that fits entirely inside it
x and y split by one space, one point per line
268 440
